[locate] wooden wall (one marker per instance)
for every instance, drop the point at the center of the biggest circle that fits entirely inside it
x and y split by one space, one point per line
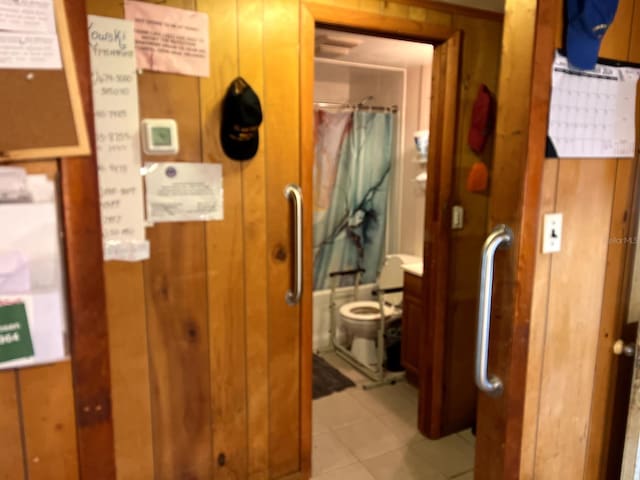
38 426
576 314
204 352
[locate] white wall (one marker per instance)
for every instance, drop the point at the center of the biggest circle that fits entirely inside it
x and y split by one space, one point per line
412 202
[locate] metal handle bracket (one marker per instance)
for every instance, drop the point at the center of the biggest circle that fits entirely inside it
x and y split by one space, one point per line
293 193
500 236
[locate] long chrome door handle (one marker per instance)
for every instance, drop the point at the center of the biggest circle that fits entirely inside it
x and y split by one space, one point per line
492 385
293 193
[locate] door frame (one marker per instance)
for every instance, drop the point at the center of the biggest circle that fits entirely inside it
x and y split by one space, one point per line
440 168
88 326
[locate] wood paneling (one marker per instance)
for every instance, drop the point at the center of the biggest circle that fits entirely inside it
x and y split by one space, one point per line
480 64
88 328
512 202
616 41
130 387
177 306
537 332
612 320
574 324
225 262
176 296
282 144
574 316
49 422
11 441
255 252
634 41
378 22
307 149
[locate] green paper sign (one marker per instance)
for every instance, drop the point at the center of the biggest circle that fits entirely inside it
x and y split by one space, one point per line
15 338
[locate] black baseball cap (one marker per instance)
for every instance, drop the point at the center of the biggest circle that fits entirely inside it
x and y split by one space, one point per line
241 117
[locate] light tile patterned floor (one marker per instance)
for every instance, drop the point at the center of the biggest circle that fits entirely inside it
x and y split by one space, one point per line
371 435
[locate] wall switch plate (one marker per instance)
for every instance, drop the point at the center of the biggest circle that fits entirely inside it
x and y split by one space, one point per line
552 233
457 217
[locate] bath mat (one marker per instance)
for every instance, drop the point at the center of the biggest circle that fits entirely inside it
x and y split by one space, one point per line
327 379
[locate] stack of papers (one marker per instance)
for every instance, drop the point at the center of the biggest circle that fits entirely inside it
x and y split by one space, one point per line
31 268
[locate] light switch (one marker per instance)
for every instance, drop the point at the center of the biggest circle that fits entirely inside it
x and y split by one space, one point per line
457 217
552 233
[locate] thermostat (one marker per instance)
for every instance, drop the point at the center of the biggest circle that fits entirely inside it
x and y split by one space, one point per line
160 136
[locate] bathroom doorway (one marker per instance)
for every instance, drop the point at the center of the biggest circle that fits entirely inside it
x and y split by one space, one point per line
369 424
372 108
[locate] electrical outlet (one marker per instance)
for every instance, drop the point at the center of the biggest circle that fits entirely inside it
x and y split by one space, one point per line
552 233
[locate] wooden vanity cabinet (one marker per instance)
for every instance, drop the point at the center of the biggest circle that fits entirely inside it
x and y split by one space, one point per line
413 318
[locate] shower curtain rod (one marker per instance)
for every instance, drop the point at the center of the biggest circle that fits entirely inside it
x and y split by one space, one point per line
392 108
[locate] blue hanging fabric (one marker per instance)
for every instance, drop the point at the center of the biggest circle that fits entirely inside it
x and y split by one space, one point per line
351 180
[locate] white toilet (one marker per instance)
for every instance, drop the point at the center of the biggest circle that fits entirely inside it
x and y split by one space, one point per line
361 319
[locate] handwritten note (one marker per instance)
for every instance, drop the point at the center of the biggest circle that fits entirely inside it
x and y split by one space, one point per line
170 39
115 103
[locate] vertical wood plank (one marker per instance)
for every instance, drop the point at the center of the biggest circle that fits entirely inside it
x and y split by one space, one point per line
612 320
177 300
88 327
538 328
11 453
615 44
126 315
254 210
514 201
128 348
282 145
634 41
573 316
307 76
225 252
49 422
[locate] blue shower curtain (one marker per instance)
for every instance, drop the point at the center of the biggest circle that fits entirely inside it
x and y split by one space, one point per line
351 177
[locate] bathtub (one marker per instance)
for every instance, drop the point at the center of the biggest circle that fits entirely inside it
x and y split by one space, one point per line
322 315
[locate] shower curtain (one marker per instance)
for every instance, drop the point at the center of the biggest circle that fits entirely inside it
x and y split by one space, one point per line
352 166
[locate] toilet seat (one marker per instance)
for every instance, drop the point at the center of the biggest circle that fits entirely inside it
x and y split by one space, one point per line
366 311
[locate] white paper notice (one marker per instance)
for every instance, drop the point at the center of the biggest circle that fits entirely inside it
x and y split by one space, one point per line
170 39
37 51
183 192
28 36
592 113
27 16
115 104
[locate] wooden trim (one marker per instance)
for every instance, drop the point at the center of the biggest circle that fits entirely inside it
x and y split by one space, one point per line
82 146
543 52
378 24
307 141
87 306
437 233
455 9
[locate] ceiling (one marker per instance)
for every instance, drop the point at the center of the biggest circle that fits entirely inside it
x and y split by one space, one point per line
358 48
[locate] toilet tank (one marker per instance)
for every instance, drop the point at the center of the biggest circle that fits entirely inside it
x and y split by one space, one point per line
392 275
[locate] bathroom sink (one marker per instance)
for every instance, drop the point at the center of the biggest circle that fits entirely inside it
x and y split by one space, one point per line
414 268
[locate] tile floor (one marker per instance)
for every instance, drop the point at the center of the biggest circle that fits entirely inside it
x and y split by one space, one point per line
371 435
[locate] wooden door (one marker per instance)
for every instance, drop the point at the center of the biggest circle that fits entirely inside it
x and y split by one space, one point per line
522 111
432 419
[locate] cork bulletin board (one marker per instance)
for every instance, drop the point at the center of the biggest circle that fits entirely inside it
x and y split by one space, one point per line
42 114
